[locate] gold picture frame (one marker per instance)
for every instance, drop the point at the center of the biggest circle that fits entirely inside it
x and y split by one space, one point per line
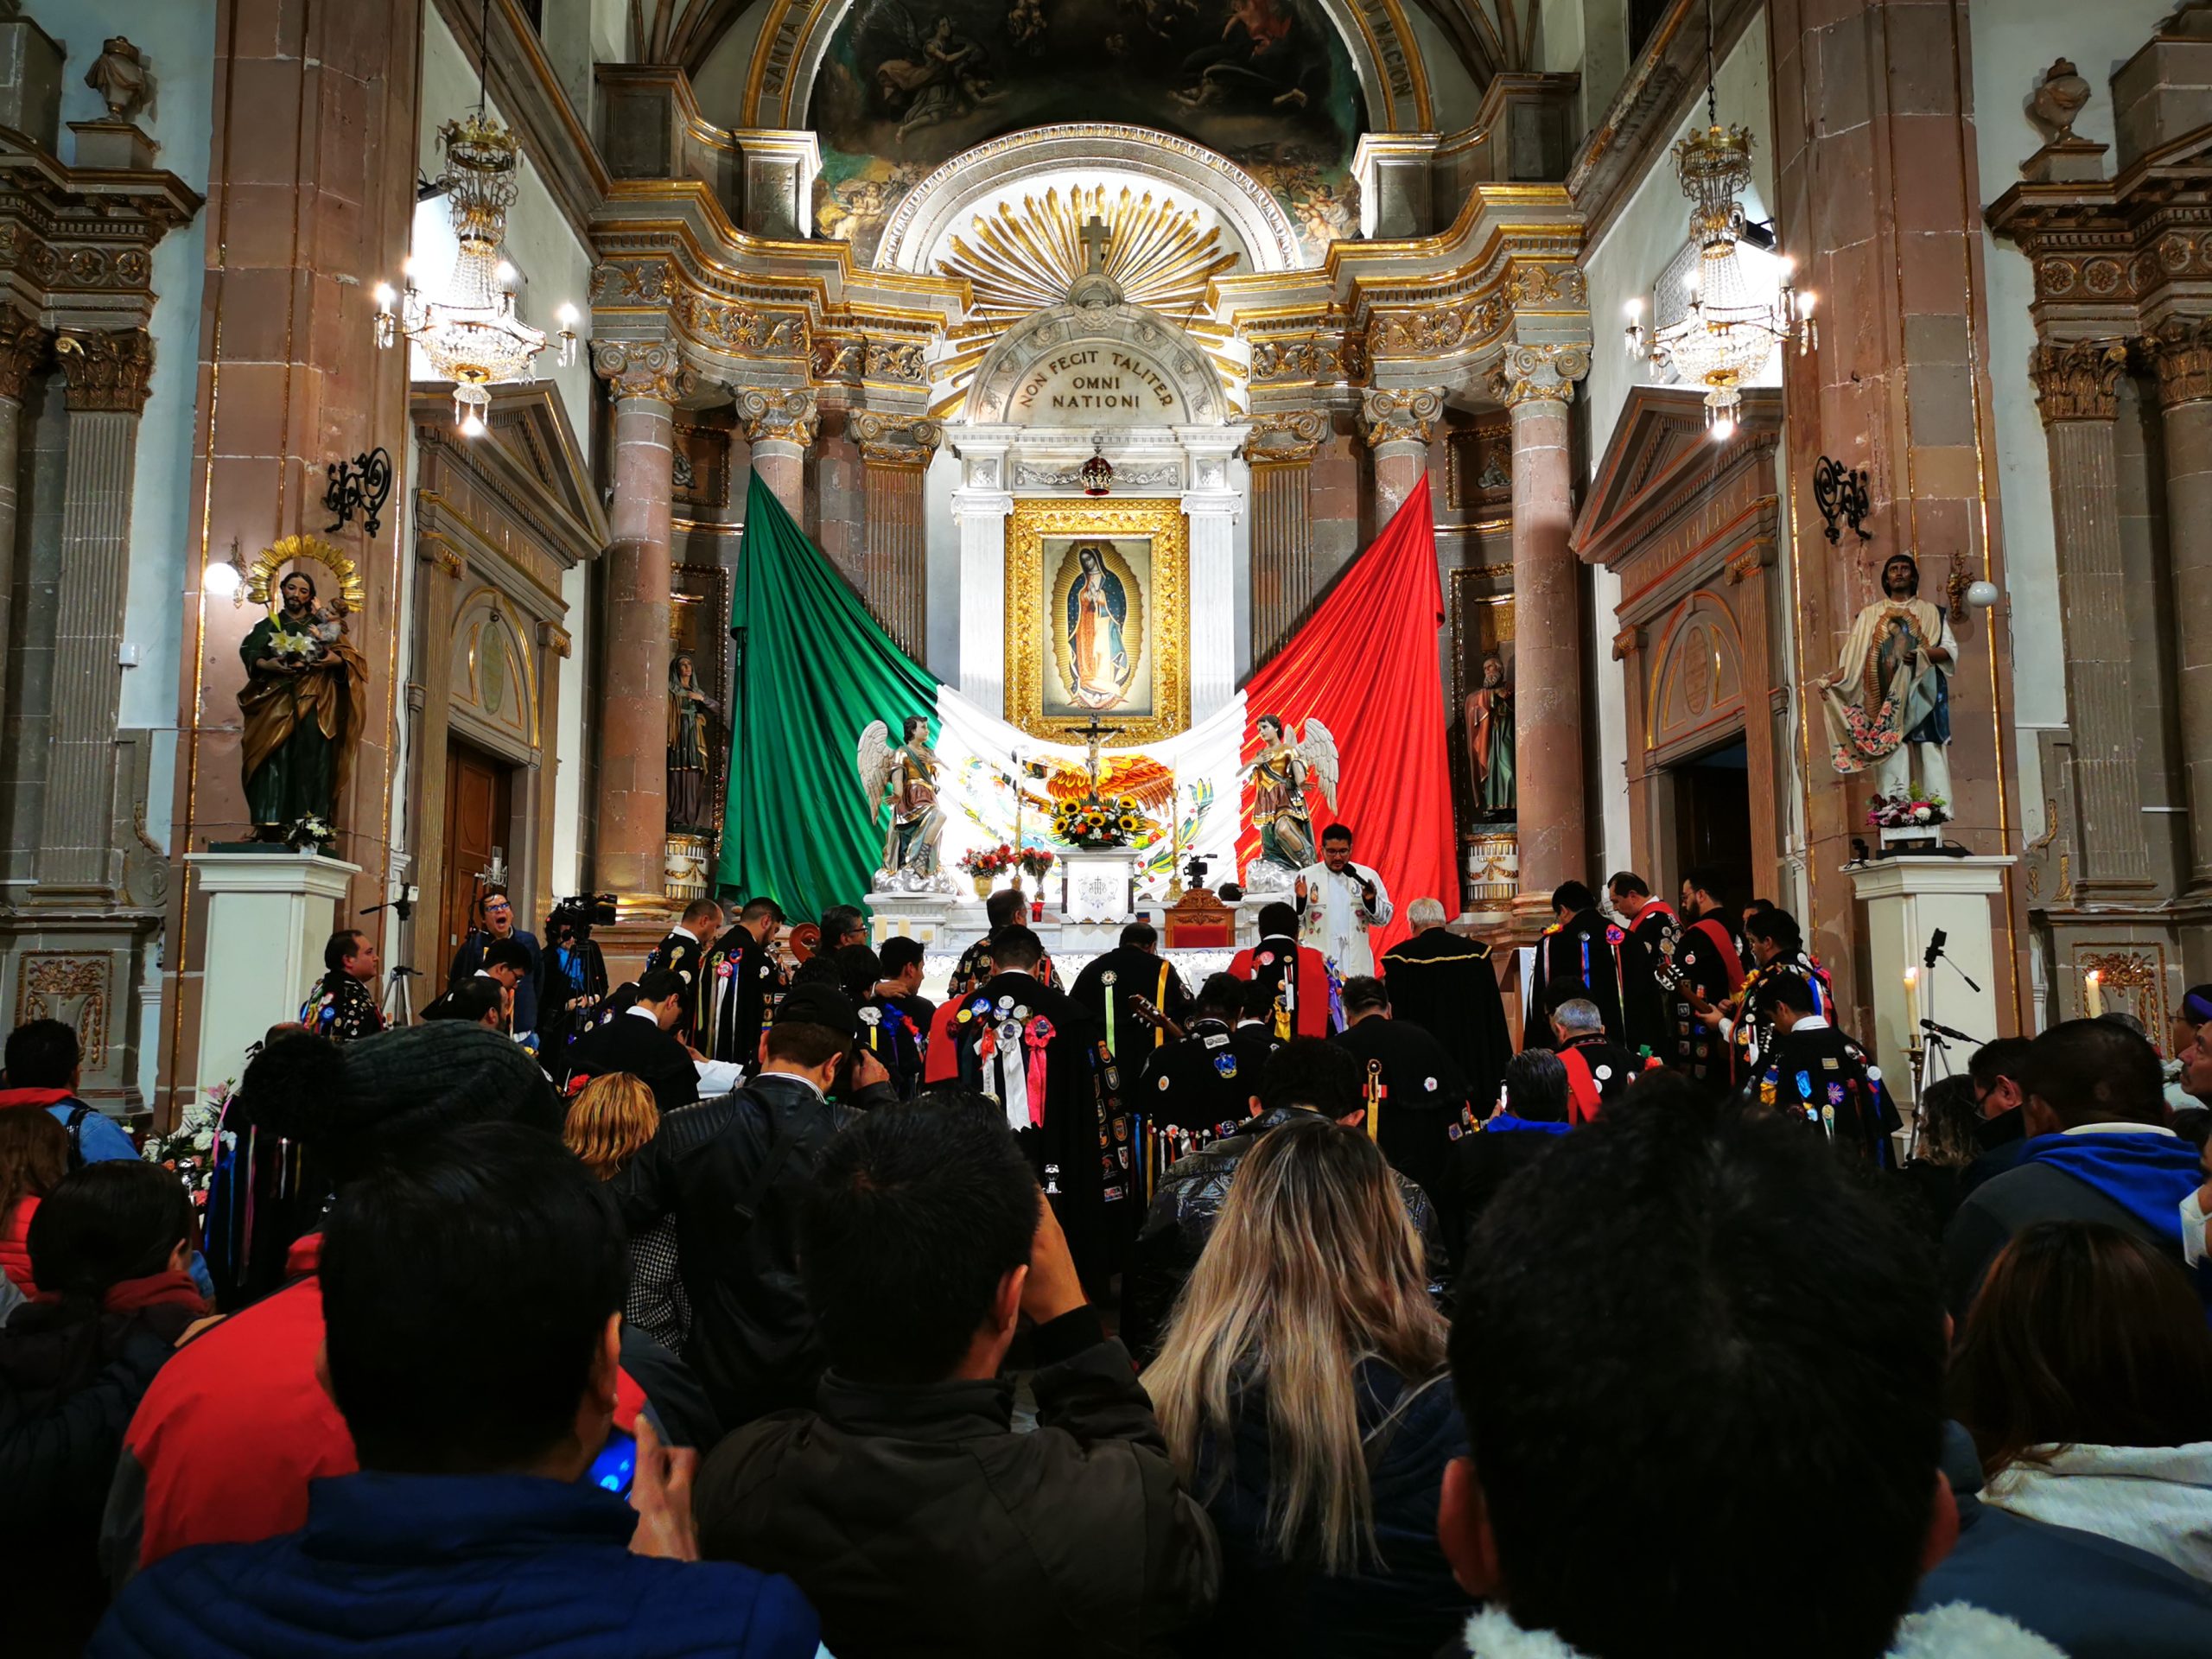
1160 630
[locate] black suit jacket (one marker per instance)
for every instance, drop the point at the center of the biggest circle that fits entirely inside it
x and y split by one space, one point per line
629 1042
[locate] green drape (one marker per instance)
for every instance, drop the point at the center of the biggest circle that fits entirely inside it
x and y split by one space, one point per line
815 670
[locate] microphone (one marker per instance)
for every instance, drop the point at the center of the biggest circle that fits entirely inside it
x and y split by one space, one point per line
1952 1032
1935 948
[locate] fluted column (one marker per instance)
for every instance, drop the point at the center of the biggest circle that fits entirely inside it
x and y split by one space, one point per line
1280 453
981 506
107 376
1536 385
781 426
1396 425
22 346
2077 387
2181 357
644 377
895 576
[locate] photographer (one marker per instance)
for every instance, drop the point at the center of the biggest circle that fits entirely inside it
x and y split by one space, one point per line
572 971
499 924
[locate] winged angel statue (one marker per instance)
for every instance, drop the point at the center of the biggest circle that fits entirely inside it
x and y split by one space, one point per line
906 776
1287 777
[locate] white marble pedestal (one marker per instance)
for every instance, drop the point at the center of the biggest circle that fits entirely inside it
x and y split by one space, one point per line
1907 899
1098 886
268 917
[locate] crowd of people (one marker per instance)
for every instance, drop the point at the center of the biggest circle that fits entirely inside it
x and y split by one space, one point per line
776 1309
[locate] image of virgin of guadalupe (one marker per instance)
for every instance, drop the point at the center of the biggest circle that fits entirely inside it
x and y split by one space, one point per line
689 713
1098 659
304 702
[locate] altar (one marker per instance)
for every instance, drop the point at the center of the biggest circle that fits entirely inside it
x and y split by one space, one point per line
947 926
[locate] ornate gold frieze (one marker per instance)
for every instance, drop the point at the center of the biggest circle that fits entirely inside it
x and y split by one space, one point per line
837 357
2078 379
739 329
2133 979
2180 355
779 416
108 370
1034 605
1321 359
52 985
904 361
1468 326
1399 416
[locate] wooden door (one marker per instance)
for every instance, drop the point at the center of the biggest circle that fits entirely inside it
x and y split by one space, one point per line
1713 805
479 809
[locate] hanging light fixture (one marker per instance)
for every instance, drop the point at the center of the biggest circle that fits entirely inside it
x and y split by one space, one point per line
471 334
1728 328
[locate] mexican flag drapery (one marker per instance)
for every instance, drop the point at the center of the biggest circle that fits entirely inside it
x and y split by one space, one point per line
816 669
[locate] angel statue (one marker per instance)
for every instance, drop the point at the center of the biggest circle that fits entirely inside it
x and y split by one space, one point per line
1285 777
907 776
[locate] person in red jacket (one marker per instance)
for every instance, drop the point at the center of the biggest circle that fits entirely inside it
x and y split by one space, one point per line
34 1155
1306 990
224 1444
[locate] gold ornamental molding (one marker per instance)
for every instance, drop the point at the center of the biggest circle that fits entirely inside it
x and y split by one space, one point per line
2179 354
2078 379
1030 610
779 416
1285 440
109 371
1399 416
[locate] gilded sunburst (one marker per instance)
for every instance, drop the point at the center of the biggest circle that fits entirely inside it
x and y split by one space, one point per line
1020 259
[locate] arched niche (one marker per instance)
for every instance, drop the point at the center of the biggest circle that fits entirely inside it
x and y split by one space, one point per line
493 678
1696 696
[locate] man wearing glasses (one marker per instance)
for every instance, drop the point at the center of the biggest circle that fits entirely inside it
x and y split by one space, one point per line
499 924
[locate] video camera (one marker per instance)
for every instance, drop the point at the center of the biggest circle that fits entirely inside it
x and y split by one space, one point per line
576 916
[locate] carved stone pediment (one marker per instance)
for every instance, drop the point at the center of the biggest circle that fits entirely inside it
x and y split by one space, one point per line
76 243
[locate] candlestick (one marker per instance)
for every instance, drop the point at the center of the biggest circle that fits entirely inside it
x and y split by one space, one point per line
1913 1006
2094 988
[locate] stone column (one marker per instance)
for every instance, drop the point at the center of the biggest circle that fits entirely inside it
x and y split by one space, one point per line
1210 511
2076 386
22 346
895 455
1280 453
107 376
781 427
2181 356
982 506
644 377
1396 425
1536 383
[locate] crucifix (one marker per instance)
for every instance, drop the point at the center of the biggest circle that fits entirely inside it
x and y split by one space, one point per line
1094 735
1093 236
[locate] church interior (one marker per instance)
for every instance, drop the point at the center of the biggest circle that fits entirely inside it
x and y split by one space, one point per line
1096 345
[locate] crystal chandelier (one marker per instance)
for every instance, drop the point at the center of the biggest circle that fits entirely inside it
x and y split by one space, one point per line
471 334
1728 328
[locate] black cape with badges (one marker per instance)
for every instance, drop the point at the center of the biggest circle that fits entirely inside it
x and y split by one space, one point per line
629 1042
1109 989
1597 959
1413 1118
739 986
1599 1072
1447 985
684 956
1754 1035
1202 1086
1709 960
1651 986
1819 1076
1084 1157
889 1031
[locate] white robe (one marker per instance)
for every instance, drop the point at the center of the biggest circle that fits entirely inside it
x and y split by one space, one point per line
1335 922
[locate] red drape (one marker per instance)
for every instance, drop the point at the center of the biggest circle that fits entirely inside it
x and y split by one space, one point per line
1365 663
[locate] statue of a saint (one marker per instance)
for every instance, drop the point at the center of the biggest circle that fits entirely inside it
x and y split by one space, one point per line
1489 742
689 713
305 699
1283 776
906 776
1889 700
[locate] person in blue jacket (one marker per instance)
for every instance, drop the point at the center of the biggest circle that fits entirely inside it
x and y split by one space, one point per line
472 1301
43 1058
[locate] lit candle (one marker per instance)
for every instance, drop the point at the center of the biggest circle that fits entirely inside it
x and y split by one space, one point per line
2094 988
1912 1007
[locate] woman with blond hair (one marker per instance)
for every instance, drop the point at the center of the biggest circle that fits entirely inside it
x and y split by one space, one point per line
1302 1391
609 1124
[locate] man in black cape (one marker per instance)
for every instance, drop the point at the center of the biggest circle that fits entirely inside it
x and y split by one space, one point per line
1032 1049
1652 923
1709 971
1598 1069
1582 949
682 951
894 1017
1136 1001
1817 1076
1447 985
1200 1087
739 984
640 1040
1413 1089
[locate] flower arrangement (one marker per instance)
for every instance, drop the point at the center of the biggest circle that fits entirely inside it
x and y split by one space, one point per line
988 862
1094 823
309 834
189 1150
1911 810
304 646
1036 862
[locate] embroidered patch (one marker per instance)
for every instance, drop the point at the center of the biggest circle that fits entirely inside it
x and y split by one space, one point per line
1429 1084
1829 1062
1217 1040
871 1016
1602 1073
1163 1085
1226 1064
1109 977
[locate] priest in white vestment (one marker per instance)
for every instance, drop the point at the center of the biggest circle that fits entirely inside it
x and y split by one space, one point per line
1338 902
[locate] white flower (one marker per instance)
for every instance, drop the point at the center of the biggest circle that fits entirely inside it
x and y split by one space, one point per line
1922 814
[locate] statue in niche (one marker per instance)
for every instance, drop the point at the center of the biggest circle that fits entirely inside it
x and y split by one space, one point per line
1889 701
690 712
1490 742
304 702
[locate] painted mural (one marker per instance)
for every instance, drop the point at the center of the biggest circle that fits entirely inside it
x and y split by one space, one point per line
909 84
